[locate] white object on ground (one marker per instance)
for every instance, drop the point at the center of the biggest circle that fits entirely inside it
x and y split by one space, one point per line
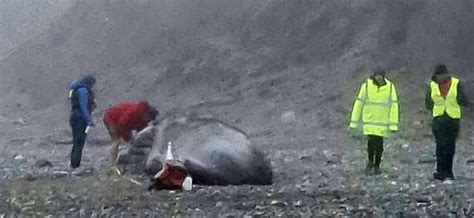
169 152
87 129
188 183
19 157
448 182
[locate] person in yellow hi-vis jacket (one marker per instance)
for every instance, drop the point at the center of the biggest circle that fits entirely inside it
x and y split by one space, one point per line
376 112
445 98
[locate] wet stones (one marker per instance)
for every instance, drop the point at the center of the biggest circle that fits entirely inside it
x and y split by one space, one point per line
19 159
43 163
427 159
31 177
330 157
60 174
288 117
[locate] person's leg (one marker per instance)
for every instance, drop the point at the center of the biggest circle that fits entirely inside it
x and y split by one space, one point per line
439 133
378 153
452 133
72 122
370 153
115 142
114 151
79 139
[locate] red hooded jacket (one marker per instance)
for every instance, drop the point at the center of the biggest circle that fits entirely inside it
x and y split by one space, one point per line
128 116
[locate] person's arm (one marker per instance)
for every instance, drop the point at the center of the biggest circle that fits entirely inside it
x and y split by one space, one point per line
83 97
394 110
428 100
357 108
462 98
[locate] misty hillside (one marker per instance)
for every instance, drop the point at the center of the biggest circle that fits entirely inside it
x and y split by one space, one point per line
284 71
209 47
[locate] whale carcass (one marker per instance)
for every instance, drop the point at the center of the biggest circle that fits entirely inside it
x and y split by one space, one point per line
213 152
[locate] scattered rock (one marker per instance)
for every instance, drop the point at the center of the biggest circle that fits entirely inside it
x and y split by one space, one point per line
288 117
216 193
21 121
448 182
470 161
424 199
469 211
72 196
263 133
43 163
60 174
277 203
84 172
284 189
298 203
331 158
65 138
426 159
19 157
418 123
30 177
306 157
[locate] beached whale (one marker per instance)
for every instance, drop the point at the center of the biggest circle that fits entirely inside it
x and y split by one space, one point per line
213 152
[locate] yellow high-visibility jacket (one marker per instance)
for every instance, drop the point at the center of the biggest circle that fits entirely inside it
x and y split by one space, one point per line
449 105
376 109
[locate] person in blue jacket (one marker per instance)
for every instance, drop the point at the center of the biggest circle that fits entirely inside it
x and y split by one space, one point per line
82 105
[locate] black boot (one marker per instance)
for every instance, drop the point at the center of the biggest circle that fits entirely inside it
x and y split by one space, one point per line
450 176
438 176
369 168
377 170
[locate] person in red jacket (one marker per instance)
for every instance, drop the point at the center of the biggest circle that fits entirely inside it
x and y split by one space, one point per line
123 118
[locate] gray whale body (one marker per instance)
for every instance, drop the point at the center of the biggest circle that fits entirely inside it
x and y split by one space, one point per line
213 152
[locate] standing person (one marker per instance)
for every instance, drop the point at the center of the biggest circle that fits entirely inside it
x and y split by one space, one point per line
123 118
376 112
444 98
82 105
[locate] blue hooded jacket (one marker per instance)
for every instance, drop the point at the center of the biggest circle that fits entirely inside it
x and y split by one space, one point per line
80 99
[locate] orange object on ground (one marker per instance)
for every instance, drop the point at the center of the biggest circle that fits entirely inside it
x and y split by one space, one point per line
171 176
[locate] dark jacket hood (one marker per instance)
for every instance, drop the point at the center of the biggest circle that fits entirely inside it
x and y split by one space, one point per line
435 79
86 82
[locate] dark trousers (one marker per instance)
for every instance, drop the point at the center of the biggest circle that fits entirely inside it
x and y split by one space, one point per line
78 126
375 150
445 130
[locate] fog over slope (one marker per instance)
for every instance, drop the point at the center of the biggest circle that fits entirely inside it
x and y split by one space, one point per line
267 56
